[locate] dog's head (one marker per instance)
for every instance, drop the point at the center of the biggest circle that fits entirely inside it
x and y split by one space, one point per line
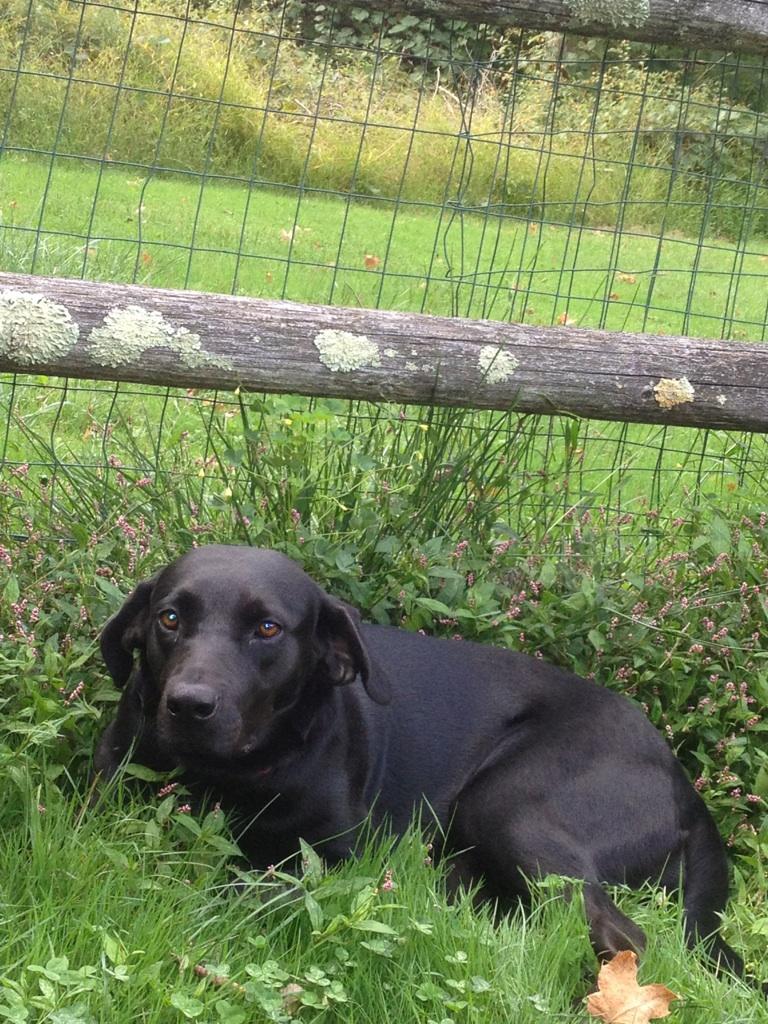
235 644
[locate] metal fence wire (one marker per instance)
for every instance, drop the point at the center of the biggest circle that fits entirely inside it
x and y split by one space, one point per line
339 155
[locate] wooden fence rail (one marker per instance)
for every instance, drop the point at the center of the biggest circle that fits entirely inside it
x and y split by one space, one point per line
155 336
739 25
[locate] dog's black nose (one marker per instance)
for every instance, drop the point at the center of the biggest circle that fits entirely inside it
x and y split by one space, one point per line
191 703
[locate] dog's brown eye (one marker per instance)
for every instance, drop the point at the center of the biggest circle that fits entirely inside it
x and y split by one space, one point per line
169 620
268 629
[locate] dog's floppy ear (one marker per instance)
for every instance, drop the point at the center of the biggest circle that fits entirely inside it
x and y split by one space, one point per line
345 656
124 632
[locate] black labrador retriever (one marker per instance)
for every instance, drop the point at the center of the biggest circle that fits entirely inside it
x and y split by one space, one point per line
304 722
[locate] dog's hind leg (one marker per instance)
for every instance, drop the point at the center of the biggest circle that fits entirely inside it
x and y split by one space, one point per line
506 847
610 931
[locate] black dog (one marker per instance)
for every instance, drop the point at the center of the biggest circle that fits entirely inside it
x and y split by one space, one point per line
273 695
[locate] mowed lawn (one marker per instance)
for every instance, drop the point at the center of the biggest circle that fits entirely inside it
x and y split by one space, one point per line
81 219
74 219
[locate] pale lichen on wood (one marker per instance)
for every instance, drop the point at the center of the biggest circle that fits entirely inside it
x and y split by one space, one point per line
129 331
34 329
86 330
343 351
496 365
671 391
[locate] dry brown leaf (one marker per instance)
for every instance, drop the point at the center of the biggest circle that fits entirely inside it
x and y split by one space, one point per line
620 1000
614 296
626 278
371 261
291 995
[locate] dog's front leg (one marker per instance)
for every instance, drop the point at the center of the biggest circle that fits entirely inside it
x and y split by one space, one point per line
132 734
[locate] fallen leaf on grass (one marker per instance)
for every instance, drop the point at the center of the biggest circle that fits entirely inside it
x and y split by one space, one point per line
371 261
620 1000
626 278
291 996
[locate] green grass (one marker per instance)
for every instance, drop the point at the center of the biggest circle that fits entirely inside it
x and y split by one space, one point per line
72 219
128 913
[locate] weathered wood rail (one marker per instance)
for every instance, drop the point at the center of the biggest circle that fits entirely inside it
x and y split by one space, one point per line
739 25
155 336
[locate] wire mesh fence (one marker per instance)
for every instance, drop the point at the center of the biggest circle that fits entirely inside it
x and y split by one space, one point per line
343 156
337 155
